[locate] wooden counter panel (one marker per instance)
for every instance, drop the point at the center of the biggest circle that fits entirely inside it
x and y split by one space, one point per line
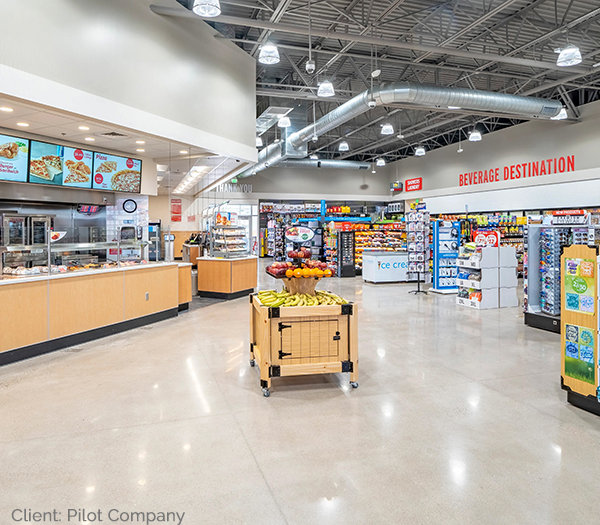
24 319
160 283
185 284
243 275
83 303
214 276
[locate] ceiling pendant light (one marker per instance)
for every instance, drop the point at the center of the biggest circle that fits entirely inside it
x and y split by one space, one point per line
380 161
325 89
284 122
419 151
459 150
269 54
387 129
475 135
562 114
259 142
343 146
314 157
568 56
207 8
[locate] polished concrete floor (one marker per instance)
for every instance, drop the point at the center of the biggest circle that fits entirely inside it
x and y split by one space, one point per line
459 419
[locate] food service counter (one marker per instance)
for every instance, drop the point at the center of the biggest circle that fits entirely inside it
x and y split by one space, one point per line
44 313
227 278
385 267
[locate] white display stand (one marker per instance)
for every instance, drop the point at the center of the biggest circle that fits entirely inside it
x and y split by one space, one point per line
507 272
487 266
385 267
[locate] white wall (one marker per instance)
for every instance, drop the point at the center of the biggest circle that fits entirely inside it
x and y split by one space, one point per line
532 141
116 61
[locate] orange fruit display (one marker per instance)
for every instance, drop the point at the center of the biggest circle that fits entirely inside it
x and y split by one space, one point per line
327 272
313 272
320 273
305 272
289 273
297 272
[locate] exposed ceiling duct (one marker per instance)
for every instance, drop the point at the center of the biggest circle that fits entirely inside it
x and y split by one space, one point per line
407 94
324 163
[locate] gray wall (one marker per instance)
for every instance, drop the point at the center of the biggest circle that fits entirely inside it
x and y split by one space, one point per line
119 50
531 141
291 183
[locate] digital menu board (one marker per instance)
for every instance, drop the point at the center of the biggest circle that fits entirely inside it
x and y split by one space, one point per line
77 168
14 153
60 165
117 173
46 163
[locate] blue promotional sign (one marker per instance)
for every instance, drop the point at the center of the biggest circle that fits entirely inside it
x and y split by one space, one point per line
323 208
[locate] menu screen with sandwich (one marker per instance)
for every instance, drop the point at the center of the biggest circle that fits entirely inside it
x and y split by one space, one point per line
117 173
14 153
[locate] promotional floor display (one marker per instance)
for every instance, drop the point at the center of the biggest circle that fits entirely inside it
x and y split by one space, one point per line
299 330
445 252
478 277
417 238
579 327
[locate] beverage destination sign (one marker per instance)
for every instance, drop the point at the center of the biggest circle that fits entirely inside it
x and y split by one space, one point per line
517 172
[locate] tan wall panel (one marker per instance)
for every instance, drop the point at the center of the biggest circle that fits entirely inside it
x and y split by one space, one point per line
83 303
24 319
244 275
180 238
214 276
185 284
160 283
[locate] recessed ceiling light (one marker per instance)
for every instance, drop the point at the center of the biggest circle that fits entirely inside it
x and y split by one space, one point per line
23 124
84 128
141 150
90 139
183 152
6 110
140 142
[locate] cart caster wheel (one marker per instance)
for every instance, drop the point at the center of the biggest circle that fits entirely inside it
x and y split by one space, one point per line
266 392
353 384
252 362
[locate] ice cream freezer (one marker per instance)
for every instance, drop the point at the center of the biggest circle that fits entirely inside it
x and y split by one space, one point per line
385 267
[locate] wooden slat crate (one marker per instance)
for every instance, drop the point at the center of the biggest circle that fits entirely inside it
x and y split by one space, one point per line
303 340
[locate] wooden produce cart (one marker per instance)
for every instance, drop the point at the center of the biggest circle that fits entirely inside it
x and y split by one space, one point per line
303 340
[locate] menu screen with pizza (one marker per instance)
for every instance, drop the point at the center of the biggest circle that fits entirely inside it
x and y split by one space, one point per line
60 165
117 173
14 153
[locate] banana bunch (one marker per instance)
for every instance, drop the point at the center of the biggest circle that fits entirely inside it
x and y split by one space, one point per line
275 299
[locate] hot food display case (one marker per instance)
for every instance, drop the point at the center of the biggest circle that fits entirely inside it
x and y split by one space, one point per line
22 260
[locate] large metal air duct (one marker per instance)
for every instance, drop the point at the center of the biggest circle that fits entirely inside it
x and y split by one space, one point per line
409 94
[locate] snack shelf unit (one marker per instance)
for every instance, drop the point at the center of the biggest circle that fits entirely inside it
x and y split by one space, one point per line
228 242
380 240
304 340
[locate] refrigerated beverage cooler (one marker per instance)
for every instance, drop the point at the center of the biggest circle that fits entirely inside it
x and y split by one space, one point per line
154 237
